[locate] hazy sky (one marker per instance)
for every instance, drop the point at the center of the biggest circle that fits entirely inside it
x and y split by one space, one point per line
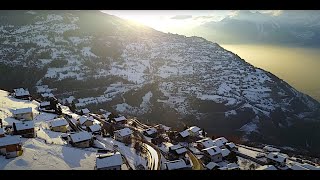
178 21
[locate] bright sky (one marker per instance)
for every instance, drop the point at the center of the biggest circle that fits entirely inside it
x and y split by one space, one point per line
175 21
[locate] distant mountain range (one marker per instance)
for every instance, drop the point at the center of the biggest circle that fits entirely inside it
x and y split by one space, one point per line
295 28
106 62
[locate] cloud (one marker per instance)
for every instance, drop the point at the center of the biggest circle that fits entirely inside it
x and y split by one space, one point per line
181 17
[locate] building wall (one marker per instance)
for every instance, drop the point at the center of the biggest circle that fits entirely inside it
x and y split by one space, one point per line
2 135
83 144
28 133
11 154
27 116
60 129
3 150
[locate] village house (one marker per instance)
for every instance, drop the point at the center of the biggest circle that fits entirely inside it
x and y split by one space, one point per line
233 166
86 121
95 129
225 153
151 132
212 154
23 113
21 93
310 167
276 159
59 125
194 131
10 146
179 164
2 133
25 129
231 146
220 142
85 111
81 139
177 150
45 105
205 143
270 149
123 135
296 166
46 96
110 161
212 166
119 120
106 115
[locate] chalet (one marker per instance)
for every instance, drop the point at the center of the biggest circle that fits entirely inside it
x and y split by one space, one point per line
205 143
2 133
47 96
106 115
110 161
86 121
85 111
120 120
231 146
213 153
267 167
194 131
43 89
179 164
212 166
59 125
123 135
220 142
45 105
177 150
25 129
11 146
151 132
95 129
276 159
21 93
81 139
23 113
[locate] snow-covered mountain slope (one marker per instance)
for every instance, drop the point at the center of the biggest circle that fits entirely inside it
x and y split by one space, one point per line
158 77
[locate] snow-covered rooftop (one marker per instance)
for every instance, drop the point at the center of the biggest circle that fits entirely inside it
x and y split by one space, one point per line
81 136
181 150
174 147
297 166
83 119
206 142
220 141
276 157
309 166
184 133
232 166
225 152
212 150
113 159
121 118
58 122
106 115
151 131
194 129
267 167
124 132
176 164
24 125
271 149
45 103
85 111
166 128
8 140
22 111
21 92
231 145
212 165
95 127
